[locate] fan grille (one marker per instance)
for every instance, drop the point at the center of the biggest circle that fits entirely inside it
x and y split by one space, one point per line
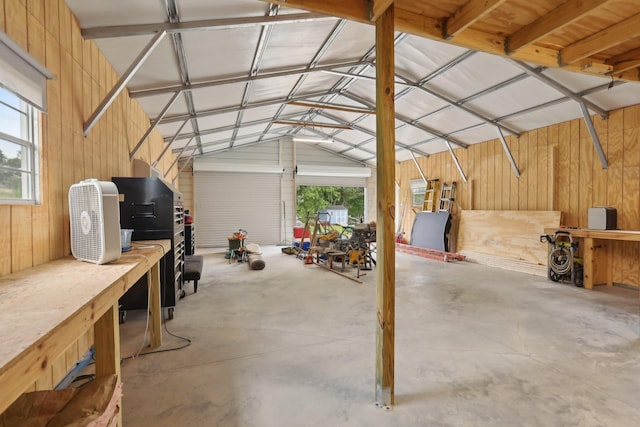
86 222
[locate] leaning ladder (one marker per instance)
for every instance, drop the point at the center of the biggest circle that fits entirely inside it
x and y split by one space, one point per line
447 197
428 204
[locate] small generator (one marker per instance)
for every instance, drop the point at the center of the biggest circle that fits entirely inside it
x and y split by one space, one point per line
563 264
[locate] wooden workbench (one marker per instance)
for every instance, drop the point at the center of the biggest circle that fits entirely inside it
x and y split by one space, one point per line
45 309
597 251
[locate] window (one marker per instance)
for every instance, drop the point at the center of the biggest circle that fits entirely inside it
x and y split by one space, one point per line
18 150
22 98
418 191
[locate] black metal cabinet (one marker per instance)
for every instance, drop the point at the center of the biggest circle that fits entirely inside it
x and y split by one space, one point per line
154 211
189 239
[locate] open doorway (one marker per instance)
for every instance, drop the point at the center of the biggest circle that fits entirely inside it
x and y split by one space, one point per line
340 206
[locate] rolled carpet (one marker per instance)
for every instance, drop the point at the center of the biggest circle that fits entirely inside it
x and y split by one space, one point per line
256 262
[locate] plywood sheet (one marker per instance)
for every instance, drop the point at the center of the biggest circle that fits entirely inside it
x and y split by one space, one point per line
508 234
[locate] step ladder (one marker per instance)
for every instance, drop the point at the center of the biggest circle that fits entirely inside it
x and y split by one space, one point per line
429 195
447 197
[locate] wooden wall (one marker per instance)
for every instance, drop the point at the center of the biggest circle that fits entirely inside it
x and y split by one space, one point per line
32 235
560 170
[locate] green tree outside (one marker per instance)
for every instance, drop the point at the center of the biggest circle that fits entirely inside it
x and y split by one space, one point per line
311 199
10 181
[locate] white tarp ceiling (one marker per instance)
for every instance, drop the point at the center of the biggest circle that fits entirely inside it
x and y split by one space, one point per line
247 73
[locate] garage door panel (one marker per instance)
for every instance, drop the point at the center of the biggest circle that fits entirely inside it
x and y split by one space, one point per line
228 201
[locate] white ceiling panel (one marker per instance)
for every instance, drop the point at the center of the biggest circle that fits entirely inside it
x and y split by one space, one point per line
617 97
561 112
117 12
575 82
215 137
251 130
228 52
476 134
449 120
220 96
411 134
272 88
418 103
160 67
170 129
352 42
217 54
417 57
516 97
252 114
153 105
217 120
309 38
194 10
472 76
317 81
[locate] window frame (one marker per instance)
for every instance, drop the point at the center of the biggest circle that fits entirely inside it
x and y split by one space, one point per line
29 142
418 188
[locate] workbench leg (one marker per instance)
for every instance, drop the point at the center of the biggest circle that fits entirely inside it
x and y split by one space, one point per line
106 337
155 310
589 261
609 251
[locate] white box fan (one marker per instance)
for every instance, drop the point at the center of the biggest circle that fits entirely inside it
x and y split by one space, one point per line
94 213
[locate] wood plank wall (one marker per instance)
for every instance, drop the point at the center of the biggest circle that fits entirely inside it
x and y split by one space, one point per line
32 235
560 170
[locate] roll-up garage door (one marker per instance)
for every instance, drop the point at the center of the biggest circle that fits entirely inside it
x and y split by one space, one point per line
335 176
228 201
331 181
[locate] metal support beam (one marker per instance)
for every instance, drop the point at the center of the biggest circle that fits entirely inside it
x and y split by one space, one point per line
455 160
137 93
122 82
200 25
181 169
560 88
168 145
412 123
424 178
371 133
594 136
153 126
227 128
235 108
177 157
516 171
385 173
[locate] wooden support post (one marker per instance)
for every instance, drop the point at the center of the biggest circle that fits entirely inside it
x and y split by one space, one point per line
155 313
106 338
553 176
385 174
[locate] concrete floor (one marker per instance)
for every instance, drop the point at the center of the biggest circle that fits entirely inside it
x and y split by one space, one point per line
294 345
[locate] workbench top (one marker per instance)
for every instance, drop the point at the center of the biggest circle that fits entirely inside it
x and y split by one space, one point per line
44 308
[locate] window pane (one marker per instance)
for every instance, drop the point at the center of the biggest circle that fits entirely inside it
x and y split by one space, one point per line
9 152
12 183
18 150
11 121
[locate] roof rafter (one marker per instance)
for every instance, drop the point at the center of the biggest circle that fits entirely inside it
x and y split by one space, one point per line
467 15
410 22
612 36
565 14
